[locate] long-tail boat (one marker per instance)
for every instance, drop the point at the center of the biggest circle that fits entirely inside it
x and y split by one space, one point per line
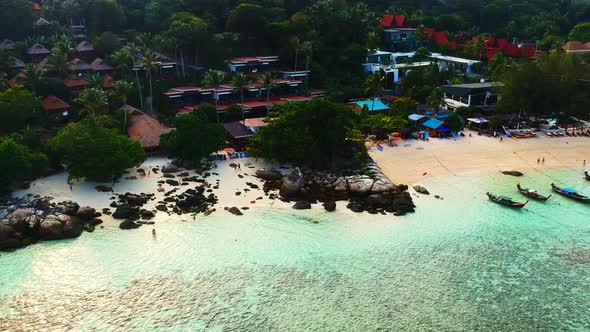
587 176
570 193
532 193
506 201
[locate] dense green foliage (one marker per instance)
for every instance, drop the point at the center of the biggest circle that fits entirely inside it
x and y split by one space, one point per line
19 163
16 18
94 152
557 83
194 138
313 134
17 107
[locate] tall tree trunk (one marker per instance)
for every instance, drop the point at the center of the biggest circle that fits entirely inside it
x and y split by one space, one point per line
176 59
242 99
296 56
151 94
139 89
182 61
267 100
216 112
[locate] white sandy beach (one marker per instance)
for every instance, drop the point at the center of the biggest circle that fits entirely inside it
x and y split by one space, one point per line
411 159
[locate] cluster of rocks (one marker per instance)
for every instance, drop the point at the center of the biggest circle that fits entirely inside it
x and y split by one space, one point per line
366 190
25 221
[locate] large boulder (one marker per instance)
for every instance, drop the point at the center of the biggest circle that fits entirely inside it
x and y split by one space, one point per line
381 185
51 228
86 213
125 211
235 211
6 232
135 200
72 226
302 205
330 206
292 183
128 224
421 190
10 243
269 174
18 219
512 173
170 168
402 203
379 200
68 207
340 185
359 185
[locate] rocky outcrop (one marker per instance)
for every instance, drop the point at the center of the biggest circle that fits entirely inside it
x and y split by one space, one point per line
170 168
292 184
512 173
129 224
125 211
302 205
86 213
269 174
330 206
51 229
359 185
235 211
421 190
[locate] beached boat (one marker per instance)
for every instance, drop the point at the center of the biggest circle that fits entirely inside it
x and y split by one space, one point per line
532 193
506 201
570 193
520 133
587 176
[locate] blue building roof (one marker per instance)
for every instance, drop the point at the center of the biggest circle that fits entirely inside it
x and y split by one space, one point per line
433 123
415 117
372 107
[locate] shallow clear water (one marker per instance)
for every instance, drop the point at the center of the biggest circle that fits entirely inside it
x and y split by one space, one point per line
461 263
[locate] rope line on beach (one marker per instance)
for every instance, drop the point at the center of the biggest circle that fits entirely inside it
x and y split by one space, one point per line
445 167
536 169
554 157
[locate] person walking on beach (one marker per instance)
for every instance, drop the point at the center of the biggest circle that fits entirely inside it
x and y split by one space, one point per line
584 162
538 160
71 185
239 167
543 161
501 139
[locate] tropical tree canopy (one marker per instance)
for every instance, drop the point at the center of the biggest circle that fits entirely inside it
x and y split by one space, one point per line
94 152
17 107
192 128
18 162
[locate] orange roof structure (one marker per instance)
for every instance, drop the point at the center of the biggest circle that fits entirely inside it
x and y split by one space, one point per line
74 82
255 122
576 47
144 128
52 103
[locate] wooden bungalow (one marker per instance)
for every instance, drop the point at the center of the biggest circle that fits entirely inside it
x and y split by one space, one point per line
37 53
238 134
78 66
75 84
56 108
145 129
7 44
85 50
435 127
98 65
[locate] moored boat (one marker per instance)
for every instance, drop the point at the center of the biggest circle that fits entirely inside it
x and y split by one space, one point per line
506 201
570 193
587 176
532 193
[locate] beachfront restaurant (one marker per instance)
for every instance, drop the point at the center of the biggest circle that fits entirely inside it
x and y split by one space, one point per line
436 128
477 124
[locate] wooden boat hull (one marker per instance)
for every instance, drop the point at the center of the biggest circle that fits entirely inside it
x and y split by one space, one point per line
587 176
574 196
532 195
510 204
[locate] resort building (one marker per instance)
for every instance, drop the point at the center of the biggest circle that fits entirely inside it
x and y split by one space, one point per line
477 95
398 36
75 84
37 53
396 65
98 65
145 129
85 50
254 124
576 47
237 133
56 108
371 106
78 67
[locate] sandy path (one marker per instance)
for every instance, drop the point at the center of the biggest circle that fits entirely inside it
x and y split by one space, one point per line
407 162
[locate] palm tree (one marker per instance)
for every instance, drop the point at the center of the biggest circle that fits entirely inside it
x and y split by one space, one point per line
240 82
373 40
122 89
32 76
57 62
149 61
296 44
214 79
307 50
374 86
3 81
268 82
93 101
132 50
95 80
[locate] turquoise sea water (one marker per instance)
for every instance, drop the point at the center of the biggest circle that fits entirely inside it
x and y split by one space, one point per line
458 264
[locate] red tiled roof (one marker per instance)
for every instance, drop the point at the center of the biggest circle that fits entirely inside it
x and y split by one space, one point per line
502 42
73 82
296 98
575 46
52 103
386 21
36 6
255 122
528 50
144 128
256 104
491 53
441 37
511 50
429 32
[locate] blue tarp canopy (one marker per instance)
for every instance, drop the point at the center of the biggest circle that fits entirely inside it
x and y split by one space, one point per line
377 106
415 117
444 129
433 123
570 190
